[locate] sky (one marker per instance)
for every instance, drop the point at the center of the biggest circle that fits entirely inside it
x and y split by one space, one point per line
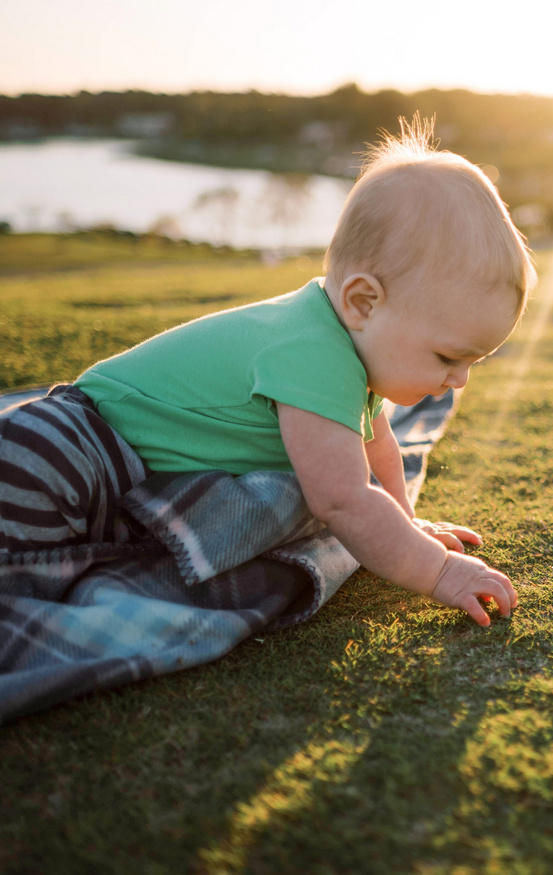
279 46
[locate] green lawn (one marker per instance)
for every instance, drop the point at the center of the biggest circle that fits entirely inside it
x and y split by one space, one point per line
66 302
387 735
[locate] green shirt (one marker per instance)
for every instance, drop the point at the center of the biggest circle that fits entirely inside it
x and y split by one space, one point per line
201 396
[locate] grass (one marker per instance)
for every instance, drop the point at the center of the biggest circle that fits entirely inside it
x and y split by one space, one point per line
66 302
387 735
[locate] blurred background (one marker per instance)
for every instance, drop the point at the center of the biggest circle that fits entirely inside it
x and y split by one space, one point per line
244 125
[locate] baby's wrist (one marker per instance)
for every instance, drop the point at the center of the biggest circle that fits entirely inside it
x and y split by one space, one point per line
438 570
449 558
432 559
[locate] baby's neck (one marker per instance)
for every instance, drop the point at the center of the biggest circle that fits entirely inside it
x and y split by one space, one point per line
333 294
332 291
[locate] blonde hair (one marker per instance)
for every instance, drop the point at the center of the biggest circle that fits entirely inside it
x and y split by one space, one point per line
421 213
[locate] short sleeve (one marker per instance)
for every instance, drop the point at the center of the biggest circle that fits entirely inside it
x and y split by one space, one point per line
314 372
375 405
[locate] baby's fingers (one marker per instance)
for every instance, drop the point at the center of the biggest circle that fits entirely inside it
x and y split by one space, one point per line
461 532
449 540
505 591
474 609
464 580
502 594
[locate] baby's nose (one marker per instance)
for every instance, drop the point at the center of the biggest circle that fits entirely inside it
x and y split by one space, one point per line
458 378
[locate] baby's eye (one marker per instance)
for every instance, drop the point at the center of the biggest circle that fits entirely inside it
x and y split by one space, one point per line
445 361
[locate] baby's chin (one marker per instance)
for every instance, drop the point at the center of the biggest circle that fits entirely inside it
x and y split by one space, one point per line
406 399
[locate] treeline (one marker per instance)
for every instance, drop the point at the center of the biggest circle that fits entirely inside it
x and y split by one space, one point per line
511 134
464 117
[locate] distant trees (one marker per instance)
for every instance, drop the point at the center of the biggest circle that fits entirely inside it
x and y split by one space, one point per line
513 134
469 119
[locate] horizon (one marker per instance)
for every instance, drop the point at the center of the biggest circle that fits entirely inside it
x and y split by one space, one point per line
265 92
307 49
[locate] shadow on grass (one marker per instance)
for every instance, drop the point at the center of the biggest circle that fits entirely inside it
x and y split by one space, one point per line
393 738
434 756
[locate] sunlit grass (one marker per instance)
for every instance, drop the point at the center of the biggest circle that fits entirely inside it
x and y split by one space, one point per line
387 735
56 318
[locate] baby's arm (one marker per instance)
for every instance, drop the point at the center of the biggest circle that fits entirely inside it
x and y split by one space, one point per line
331 466
384 458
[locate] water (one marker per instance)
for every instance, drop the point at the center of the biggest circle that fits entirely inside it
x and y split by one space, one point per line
60 185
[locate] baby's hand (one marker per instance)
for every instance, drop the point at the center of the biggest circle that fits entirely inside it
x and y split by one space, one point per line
465 579
450 535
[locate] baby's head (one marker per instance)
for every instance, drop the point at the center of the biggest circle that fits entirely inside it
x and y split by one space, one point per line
425 270
417 215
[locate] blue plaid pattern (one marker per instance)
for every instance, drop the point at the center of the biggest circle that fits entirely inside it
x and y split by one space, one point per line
189 565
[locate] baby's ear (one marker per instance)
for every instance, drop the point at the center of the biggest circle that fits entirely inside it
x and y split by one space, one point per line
360 295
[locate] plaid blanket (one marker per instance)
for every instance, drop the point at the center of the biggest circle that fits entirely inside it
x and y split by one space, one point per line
212 560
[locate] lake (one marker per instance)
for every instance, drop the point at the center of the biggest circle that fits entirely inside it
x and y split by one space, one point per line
65 184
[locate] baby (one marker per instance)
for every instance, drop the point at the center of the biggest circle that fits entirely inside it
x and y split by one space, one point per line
425 276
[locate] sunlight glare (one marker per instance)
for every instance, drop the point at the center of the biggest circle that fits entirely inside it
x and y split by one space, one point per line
512 391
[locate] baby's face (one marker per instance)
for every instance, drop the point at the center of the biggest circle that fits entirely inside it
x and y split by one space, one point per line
426 340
